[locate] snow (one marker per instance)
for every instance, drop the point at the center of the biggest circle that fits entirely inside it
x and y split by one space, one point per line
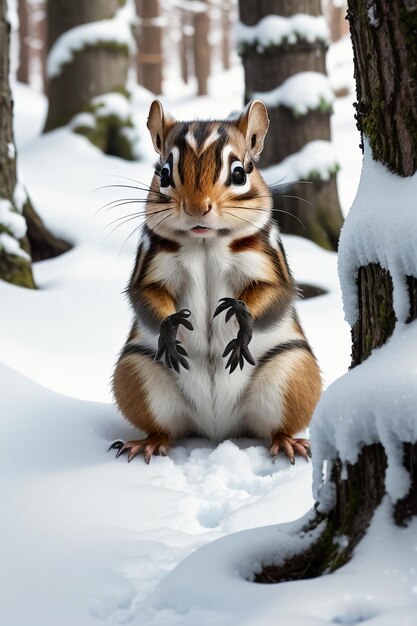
89 537
380 228
14 222
302 92
116 30
375 402
275 30
113 104
12 247
317 159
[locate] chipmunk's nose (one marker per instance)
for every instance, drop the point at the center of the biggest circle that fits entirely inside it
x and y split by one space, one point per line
197 207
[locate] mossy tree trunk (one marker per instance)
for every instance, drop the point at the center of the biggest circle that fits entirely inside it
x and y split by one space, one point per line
268 68
23 236
384 50
93 70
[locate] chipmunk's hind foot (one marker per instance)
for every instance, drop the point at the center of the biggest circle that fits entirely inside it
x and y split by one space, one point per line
291 447
153 444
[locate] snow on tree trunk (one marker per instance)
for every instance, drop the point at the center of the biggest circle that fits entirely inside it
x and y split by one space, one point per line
23 235
283 46
364 428
202 48
149 43
90 46
15 260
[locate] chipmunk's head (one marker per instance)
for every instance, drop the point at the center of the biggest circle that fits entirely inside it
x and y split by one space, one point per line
206 175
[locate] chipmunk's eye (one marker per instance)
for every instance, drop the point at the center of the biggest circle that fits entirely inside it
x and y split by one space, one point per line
238 173
166 176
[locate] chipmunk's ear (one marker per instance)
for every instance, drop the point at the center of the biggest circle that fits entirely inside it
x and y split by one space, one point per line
254 124
159 125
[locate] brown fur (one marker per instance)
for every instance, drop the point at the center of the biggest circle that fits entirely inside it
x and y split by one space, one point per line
302 393
130 394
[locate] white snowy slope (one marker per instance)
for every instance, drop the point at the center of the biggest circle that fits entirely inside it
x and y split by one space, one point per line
85 537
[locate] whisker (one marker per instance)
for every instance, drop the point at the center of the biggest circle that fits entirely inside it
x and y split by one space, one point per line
291 182
240 218
125 201
148 190
265 209
128 219
281 195
132 215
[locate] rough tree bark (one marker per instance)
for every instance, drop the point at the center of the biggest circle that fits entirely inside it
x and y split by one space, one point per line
149 44
16 267
267 69
202 50
384 51
95 70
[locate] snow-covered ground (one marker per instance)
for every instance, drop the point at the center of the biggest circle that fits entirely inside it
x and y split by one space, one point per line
86 537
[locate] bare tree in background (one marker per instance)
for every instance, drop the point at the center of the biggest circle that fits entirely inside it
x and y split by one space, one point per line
149 44
96 65
202 48
24 49
269 67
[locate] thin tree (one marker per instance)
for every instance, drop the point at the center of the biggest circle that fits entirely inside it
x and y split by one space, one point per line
387 119
24 48
90 46
276 63
201 47
149 44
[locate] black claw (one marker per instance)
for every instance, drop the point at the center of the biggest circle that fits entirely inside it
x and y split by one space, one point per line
237 349
121 451
116 445
170 349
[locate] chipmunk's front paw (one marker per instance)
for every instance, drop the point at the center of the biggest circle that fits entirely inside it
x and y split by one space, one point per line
169 349
238 347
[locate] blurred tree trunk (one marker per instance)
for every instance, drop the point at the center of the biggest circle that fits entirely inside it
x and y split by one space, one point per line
184 45
24 50
94 70
18 220
383 51
202 49
226 32
336 18
268 69
149 43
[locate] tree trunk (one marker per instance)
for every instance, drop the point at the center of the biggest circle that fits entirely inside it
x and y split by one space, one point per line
149 43
24 50
184 46
267 69
16 244
202 50
93 70
226 32
336 19
15 263
387 116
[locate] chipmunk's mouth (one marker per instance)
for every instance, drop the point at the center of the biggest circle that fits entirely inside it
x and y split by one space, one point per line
201 230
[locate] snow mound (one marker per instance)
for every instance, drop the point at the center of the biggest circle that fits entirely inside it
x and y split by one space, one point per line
380 228
316 160
375 402
303 92
275 30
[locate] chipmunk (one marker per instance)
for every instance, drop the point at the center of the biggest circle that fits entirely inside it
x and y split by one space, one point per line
216 348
